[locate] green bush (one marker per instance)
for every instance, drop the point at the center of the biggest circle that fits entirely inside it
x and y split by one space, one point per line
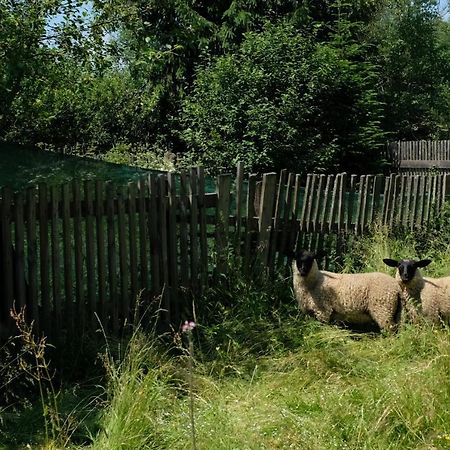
284 100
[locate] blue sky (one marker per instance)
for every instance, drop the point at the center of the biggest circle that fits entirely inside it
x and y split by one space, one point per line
443 7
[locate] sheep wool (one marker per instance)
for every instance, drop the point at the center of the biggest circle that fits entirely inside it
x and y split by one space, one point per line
352 298
422 295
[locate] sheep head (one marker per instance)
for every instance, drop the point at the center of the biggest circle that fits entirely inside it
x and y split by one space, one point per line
406 268
304 260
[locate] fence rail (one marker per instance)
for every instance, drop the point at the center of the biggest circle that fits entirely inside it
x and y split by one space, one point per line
420 156
72 252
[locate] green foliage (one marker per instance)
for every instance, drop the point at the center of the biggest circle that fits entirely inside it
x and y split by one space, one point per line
414 70
285 100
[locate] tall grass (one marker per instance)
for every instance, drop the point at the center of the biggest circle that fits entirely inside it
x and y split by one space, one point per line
266 377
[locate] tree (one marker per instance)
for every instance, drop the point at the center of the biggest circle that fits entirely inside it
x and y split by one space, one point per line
414 71
284 100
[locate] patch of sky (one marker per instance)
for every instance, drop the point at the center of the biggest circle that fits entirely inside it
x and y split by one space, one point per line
444 9
79 13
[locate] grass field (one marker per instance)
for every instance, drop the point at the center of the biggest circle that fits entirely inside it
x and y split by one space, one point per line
263 377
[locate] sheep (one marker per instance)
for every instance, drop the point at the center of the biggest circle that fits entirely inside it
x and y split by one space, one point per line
421 295
356 299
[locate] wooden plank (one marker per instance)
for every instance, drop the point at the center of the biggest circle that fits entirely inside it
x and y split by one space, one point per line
56 261
394 200
318 203
19 260
78 240
351 202
434 193
439 185
142 208
279 205
193 230
361 215
378 188
371 202
293 238
331 220
132 239
223 187
407 201
265 216
421 199
90 253
172 247
7 276
310 201
401 200
155 242
44 258
239 195
325 203
287 220
101 253
415 201
249 220
123 257
32 294
184 260
425 164
389 186
341 201
112 310
164 260
203 228
68 263
305 201
427 198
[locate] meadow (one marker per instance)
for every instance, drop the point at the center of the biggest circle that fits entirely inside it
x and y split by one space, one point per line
253 374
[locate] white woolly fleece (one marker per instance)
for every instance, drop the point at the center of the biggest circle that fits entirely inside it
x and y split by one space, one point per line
352 298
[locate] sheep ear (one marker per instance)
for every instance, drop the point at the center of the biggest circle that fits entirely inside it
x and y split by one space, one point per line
423 263
390 262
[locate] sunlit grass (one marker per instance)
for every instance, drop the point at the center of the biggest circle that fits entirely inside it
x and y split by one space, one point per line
265 377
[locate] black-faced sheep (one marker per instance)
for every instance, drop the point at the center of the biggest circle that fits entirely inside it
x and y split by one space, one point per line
421 295
355 299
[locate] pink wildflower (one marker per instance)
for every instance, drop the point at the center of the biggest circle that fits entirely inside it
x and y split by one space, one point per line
187 326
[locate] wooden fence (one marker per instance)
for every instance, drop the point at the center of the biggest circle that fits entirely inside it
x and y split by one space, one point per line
73 252
415 157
